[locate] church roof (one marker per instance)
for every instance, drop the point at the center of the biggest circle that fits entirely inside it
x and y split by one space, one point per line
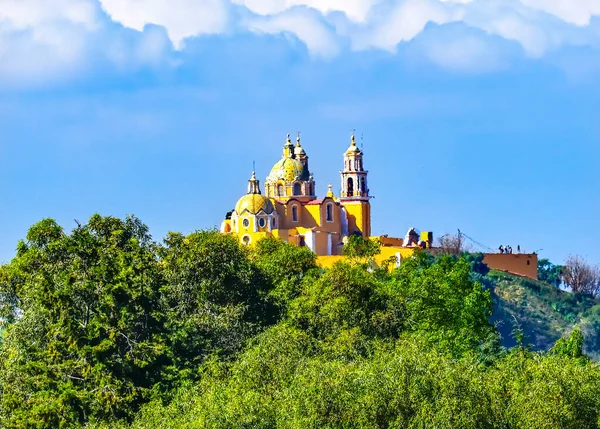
253 204
288 170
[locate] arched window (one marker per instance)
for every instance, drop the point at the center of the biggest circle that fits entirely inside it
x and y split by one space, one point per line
329 212
297 189
363 187
294 213
350 188
280 192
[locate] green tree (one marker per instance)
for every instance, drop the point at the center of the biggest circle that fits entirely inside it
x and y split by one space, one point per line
443 303
361 250
215 298
285 266
571 346
87 343
549 273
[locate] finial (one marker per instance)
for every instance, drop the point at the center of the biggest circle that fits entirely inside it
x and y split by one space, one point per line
329 191
288 137
362 140
253 166
298 139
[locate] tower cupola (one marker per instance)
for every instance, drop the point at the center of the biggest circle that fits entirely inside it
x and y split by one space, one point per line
354 176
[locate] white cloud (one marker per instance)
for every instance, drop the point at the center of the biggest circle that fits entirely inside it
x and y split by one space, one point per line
43 39
305 25
40 41
355 10
578 12
403 22
181 18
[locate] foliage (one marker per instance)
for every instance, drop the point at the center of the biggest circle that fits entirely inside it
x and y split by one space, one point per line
549 273
103 328
285 266
88 343
361 250
213 298
580 276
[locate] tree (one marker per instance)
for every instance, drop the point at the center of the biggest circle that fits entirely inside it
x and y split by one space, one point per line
580 276
571 346
452 244
549 273
215 298
443 303
87 341
361 250
284 265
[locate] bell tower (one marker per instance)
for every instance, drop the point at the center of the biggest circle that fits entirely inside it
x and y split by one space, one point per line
355 196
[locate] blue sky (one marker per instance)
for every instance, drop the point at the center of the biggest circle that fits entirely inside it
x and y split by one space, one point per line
478 115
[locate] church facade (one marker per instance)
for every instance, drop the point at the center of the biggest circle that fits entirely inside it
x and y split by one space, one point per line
290 209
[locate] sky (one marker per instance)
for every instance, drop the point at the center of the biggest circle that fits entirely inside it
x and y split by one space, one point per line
479 115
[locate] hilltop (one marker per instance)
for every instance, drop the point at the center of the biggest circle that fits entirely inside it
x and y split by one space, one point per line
544 312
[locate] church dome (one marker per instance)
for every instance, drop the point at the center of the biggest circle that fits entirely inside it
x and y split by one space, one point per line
299 150
288 170
254 203
353 148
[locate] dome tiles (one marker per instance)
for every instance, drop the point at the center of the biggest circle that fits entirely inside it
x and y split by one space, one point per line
253 204
286 169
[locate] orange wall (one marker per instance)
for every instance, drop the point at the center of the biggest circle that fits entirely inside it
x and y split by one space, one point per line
520 264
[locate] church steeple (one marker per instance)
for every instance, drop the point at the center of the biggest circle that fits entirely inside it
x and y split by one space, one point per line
354 176
355 191
288 148
253 185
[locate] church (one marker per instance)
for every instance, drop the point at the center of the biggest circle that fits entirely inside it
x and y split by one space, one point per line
290 209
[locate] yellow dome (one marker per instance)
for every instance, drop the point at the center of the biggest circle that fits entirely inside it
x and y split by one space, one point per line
254 203
288 170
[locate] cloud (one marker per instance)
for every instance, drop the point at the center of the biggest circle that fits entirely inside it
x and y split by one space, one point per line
355 10
181 18
36 37
305 25
43 40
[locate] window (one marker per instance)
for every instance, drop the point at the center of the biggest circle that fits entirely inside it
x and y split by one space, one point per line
363 187
294 213
350 188
297 189
273 223
262 222
302 242
329 212
246 240
280 191
246 223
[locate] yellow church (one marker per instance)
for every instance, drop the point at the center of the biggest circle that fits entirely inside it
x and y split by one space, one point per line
290 209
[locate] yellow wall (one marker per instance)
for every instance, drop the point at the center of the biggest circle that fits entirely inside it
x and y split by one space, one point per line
386 254
359 217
